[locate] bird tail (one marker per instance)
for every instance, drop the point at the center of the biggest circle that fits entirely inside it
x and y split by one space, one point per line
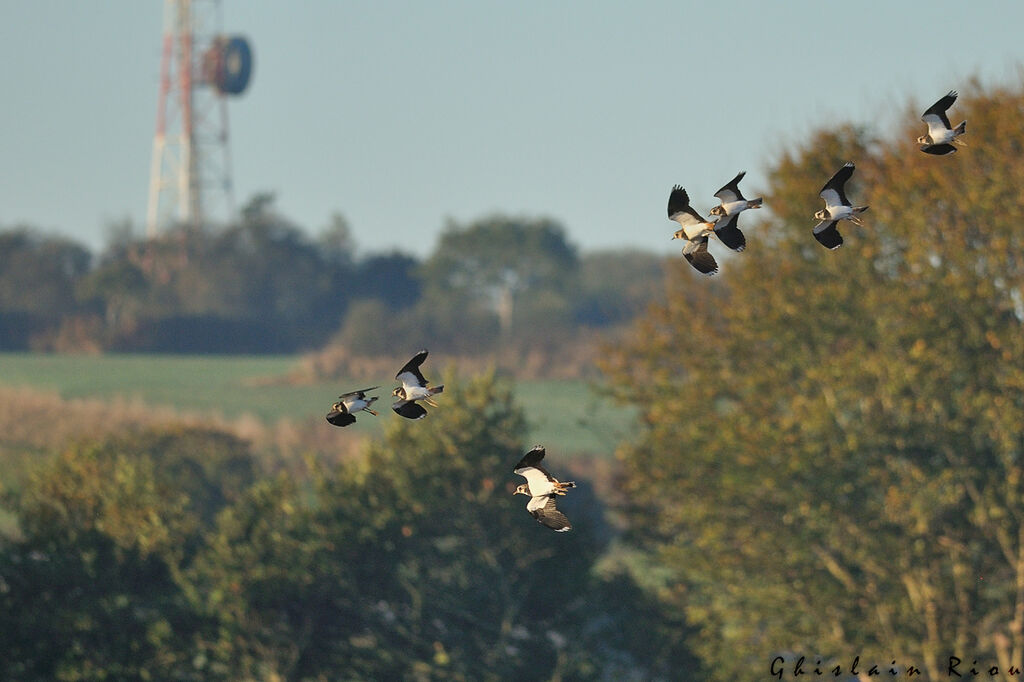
859 209
960 129
568 484
437 389
755 203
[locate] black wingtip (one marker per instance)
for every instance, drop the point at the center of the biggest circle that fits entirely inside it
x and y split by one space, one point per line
338 418
409 410
531 458
938 149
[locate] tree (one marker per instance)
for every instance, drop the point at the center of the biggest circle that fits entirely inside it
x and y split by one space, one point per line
45 266
87 591
260 285
38 275
615 286
415 562
337 243
831 456
494 261
389 277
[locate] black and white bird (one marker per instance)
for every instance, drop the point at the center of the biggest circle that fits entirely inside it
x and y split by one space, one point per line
344 411
729 210
542 488
942 137
414 387
837 207
695 230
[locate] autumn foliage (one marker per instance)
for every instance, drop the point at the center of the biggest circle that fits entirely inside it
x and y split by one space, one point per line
832 456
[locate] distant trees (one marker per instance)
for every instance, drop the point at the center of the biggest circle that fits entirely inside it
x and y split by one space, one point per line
37 284
831 462
495 261
263 285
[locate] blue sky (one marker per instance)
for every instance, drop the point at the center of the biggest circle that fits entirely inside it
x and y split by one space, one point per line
401 115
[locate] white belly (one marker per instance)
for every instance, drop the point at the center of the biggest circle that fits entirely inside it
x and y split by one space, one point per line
696 230
941 134
416 393
734 207
355 405
840 212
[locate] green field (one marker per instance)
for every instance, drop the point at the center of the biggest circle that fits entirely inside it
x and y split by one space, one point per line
564 415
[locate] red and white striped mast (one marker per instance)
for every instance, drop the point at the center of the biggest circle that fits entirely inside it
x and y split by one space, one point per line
190 173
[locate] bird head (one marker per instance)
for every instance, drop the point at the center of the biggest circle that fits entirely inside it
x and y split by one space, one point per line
337 407
924 139
523 489
399 392
679 234
821 215
718 210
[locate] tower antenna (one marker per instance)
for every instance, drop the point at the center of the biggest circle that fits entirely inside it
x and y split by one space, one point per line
190 174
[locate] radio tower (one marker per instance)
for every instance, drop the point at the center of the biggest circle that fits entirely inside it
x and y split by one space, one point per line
190 176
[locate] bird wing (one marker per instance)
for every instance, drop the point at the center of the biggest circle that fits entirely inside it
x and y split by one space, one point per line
834 191
935 115
679 208
409 409
544 510
828 235
531 458
731 191
938 149
339 418
729 234
537 477
678 201
410 374
696 253
361 393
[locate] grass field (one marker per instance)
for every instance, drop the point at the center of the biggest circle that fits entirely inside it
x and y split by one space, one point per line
564 415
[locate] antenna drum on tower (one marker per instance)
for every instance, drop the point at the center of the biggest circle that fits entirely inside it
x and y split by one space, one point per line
227 65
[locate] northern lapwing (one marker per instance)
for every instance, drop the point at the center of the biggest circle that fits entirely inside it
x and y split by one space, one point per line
942 137
837 207
542 488
344 411
695 230
729 210
414 387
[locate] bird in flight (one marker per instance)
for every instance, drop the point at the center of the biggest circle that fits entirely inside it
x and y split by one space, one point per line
344 411
414 387
729 210
837 207
942 137
542 488
694 229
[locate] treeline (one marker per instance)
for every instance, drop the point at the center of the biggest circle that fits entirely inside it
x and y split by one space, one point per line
263 285
167 552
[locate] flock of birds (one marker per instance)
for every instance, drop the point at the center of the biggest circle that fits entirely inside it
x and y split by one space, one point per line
940 140
541 487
